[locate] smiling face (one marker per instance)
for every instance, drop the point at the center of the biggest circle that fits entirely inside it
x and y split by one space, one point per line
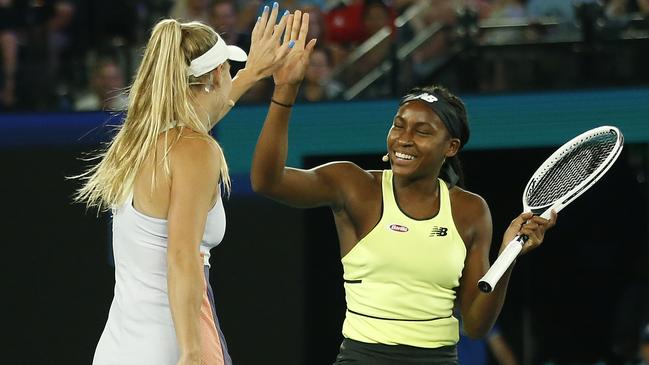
418 142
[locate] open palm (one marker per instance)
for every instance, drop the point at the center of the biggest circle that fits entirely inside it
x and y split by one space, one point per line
266 53
293 68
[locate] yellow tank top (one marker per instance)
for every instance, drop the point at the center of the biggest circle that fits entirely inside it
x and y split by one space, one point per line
400 278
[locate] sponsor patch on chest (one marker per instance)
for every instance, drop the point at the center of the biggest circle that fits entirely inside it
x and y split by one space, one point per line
398 228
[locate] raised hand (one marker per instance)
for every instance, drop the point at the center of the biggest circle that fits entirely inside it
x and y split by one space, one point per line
292 70
266 51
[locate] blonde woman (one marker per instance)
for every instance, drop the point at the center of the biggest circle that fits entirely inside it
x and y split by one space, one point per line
163 175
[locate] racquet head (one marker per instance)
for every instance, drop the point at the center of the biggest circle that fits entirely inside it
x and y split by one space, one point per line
572 169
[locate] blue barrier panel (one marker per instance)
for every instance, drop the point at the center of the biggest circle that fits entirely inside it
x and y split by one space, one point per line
360 127
56 129
497 121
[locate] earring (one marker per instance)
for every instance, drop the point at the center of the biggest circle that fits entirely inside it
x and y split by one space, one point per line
207 89
385 158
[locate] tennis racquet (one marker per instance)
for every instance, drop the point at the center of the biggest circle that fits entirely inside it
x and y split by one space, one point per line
565 175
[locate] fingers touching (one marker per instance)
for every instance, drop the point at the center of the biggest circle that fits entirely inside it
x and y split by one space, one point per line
272 20
295 27
304 30
272 43
266 26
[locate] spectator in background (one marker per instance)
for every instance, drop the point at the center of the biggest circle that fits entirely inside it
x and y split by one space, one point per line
223 18
317 84
43 39
248 12
376 15
250 9
9 54
643 6
106 90
344 24
432 53
191 10
317 30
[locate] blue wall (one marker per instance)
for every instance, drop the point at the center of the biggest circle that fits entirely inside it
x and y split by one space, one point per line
497 121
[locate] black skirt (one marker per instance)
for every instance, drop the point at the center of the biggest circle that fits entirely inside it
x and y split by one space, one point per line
361 353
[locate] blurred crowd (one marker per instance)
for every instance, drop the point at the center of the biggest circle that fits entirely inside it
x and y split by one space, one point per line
62 55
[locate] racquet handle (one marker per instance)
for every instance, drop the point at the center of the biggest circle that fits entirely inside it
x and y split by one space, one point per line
496 271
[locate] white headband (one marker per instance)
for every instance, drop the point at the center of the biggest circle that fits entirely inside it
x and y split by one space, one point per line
214 57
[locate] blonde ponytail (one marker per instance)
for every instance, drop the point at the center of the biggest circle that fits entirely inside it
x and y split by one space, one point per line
160 99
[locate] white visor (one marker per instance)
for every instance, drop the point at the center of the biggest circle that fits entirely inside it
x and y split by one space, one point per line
214 57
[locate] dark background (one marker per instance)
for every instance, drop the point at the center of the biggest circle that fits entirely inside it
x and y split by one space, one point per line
277 275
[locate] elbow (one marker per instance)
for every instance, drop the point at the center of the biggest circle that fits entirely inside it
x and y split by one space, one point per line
258 185
182 260
261 184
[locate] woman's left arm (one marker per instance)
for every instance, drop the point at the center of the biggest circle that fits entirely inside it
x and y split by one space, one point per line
479 310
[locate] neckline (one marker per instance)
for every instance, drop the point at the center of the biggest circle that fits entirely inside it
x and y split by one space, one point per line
396 201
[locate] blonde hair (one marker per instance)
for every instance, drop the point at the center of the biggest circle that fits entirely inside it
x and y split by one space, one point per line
160 99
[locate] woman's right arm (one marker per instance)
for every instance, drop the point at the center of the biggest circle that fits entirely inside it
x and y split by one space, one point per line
269 175
194 175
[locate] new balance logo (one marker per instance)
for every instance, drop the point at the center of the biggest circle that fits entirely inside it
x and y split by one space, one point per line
438 231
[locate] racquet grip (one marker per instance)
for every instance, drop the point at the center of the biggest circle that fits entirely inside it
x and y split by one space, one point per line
496 271
548 214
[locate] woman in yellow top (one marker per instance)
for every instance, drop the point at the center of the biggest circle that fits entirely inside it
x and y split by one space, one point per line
411 240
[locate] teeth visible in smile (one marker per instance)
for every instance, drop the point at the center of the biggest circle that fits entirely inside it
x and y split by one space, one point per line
403 156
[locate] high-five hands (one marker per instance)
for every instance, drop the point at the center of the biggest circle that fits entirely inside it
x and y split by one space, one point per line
267 52
292 70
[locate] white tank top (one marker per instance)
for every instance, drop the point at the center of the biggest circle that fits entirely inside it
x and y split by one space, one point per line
139 329
130 225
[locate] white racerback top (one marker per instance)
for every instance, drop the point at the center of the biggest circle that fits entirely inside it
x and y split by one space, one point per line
140 329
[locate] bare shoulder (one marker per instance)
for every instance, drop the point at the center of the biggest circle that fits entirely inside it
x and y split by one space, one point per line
192 144
188 149
470 213
470 202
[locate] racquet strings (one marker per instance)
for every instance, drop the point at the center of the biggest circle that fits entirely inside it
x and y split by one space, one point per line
576 164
